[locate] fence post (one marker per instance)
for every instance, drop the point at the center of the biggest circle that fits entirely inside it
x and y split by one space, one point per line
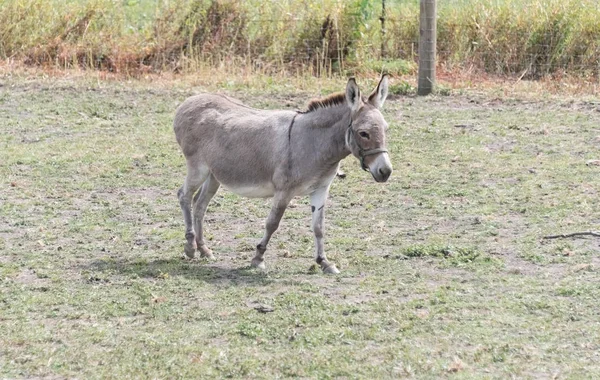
427 42
382 19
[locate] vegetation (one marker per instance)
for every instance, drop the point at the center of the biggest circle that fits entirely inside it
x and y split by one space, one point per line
444 270
530 38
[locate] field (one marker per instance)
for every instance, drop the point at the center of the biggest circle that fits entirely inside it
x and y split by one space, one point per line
445 272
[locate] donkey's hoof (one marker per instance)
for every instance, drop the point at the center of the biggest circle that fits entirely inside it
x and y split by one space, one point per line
190 251
258 264
206 253
331 269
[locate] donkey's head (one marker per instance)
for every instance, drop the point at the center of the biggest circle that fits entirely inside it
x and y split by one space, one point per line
365 137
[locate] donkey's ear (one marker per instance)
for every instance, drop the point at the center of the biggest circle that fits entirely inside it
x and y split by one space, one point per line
353 95
378 96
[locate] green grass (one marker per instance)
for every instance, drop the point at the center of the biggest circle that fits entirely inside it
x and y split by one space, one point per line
444 273
528 39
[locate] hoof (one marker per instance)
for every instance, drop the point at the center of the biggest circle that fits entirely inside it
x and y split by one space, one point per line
258 264
190 251
206 253
331 269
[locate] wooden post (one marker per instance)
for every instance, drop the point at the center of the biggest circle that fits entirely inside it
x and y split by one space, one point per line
382 19
427 42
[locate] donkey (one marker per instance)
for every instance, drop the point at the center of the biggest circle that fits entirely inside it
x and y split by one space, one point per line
276 153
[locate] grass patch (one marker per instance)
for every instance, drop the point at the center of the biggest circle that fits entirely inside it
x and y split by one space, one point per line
465 255
402 88
93 283
397 67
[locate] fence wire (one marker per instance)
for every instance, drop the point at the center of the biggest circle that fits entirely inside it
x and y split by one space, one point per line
501 36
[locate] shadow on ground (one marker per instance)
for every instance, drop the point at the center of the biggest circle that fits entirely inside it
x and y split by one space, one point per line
198 270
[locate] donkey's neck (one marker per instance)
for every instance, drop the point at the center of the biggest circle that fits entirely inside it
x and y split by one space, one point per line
323 134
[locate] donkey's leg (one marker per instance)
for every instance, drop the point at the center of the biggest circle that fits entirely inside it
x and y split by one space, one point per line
201 200
193 180
280 203
317 206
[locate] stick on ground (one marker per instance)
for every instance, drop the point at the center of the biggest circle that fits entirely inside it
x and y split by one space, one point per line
574 234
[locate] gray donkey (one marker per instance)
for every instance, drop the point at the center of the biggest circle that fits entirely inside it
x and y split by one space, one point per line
279 154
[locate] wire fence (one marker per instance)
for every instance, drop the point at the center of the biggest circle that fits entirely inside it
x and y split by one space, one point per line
337 43
501 37
517 53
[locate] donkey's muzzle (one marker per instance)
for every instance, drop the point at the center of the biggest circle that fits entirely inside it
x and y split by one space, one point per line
381 168
383 174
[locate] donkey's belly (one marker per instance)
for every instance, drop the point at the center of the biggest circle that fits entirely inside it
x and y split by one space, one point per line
264 190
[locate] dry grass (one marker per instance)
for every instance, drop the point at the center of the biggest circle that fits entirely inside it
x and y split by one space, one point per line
557 87
308 37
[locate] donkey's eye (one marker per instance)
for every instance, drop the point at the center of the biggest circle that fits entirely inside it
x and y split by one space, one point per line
363 134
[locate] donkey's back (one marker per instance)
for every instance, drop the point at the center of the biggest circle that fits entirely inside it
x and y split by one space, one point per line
239 145
211 119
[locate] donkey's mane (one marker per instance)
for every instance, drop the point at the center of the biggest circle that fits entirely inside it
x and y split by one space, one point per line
328 101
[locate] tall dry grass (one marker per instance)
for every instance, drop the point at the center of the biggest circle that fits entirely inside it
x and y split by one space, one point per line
530 38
